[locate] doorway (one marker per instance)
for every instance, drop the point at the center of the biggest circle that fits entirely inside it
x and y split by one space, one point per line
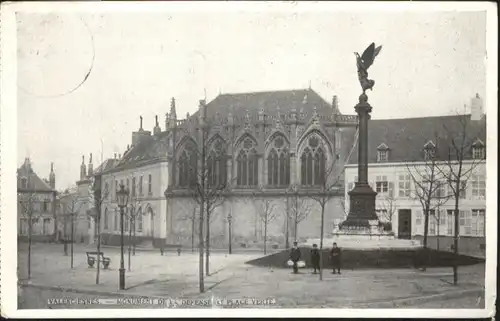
404 224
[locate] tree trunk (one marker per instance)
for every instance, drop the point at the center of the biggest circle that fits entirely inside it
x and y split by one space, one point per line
265 236
98 229
230 237
65 239
135 239
72 237
207 245
426 233
201 239
455 239
193 219
321 235
287 219
30 232
129 243
438 231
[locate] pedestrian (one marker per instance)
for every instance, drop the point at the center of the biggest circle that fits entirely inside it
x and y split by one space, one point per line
295 257
336 257
315 258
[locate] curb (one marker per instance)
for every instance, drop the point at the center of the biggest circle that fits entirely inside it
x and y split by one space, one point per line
85 291
398 303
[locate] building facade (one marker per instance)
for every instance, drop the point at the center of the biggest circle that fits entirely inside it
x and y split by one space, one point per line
407 155
36 204
270 150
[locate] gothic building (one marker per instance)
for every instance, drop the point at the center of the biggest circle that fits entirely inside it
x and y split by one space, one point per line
272 152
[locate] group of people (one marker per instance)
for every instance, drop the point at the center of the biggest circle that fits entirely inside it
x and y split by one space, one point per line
335 258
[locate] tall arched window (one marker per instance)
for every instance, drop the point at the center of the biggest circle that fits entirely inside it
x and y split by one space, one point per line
188 164
216 163
312 161
278 163
139 220
247 164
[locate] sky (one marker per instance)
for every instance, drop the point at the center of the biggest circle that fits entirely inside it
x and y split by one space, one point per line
431 63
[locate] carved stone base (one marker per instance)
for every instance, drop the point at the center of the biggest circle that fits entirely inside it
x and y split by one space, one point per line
361 210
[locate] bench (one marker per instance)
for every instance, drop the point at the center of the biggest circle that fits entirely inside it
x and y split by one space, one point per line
92 257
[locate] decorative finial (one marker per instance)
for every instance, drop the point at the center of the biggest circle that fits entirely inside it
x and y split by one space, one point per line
90 161
156 120
83 159
140 128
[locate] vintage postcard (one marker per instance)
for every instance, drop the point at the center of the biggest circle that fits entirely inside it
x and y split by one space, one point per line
248 159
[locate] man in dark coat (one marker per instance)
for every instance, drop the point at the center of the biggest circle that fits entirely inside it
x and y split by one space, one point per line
295 257
335 256
315 258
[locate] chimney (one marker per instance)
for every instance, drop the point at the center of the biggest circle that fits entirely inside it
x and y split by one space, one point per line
335 105
476 108
91 167
139 136
27 164
83 169
52 177
156 129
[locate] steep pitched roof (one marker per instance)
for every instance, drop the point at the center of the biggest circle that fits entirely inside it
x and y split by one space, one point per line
154 148
269 101
106 165
149 150
407 136
35 183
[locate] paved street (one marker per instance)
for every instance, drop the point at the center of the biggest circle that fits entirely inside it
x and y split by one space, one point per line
175 276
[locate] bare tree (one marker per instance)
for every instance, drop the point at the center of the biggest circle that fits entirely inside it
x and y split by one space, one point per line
97 196
207 184
28 200
388 207
266 214
428 182
300 209
71 205
459 166
328 184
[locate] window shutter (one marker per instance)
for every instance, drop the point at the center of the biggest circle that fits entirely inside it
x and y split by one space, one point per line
391 189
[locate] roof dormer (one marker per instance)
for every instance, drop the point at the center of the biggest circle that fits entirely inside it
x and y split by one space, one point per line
478 149
429 150
382 153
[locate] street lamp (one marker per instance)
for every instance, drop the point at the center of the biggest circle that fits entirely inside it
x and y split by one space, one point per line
122 200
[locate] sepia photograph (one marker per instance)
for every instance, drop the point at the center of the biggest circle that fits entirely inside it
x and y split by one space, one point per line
268 158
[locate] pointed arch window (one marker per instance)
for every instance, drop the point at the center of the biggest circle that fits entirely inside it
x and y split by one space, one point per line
247 164
313 161
216 163
278 163
188 164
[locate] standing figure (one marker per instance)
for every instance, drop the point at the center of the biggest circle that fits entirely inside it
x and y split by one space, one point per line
315 258
295 257
335 256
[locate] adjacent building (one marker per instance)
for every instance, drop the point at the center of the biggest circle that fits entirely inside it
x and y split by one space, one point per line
404 154
36 204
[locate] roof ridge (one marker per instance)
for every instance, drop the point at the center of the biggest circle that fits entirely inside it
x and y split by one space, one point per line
426 117
264 92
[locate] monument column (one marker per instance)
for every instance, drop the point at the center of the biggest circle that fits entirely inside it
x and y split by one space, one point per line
362 197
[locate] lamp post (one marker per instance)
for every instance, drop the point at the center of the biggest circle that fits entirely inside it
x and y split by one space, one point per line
122 200
229 217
